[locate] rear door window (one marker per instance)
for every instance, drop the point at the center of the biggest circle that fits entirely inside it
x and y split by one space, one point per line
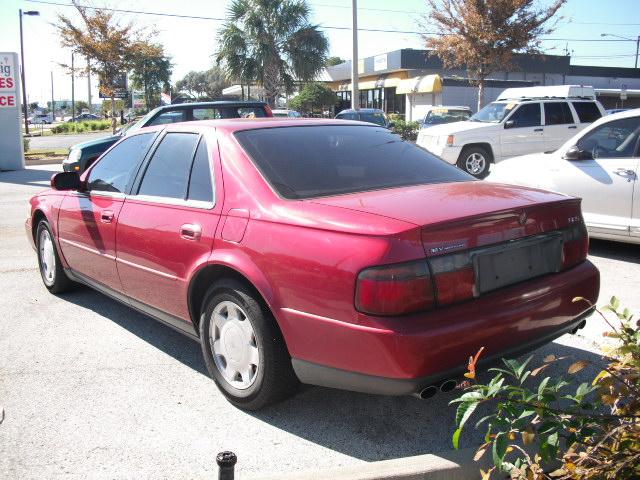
557 113
173 116
347 116
206 114
587 111
200 185
313 161
527 115
167 174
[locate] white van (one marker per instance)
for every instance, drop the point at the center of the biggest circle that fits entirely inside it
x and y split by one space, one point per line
520 121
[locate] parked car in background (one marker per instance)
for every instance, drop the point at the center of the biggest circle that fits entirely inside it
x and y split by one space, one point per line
316 251
285 112
83 117
521 121
599 165
84 154
371 115
41 118
437 115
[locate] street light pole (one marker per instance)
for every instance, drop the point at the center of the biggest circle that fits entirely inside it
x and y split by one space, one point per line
637 40
25 110
355 94
73 91
53 102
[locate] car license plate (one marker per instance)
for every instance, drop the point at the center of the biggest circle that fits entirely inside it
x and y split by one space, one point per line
516 261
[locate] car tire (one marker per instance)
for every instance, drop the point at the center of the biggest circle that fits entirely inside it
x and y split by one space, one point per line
475 161
243 348
49 264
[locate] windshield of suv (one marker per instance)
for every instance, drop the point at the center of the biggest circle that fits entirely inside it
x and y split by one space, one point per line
315 161
493 113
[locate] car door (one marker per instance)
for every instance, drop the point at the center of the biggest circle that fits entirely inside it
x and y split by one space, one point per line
87 220
167 224
559 124
606 178
523 132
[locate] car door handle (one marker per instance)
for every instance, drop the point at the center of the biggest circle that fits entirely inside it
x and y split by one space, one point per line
572 126
106 216
538 129
623 172
191 231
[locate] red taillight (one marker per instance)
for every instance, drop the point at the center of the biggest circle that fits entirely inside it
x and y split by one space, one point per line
575 245
454 277
268 111
394 289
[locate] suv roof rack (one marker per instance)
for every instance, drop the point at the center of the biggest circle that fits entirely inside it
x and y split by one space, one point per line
549 92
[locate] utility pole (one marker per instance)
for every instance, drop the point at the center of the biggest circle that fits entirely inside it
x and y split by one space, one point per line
53 102
355 94
73 92
637 49
25 107
89 84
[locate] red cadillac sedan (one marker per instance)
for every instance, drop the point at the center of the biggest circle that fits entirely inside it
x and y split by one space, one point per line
317 251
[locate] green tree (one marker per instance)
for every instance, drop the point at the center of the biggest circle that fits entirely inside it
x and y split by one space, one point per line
111 47
272 41
81 105
483 35
332 61
204 85
151 72
314 96
33 106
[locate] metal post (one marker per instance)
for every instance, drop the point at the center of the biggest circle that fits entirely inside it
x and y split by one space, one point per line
53 102
73 92
637 49
355 94
226 462
25 107
89 84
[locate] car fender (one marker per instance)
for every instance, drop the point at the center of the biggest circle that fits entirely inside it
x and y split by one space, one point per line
48 203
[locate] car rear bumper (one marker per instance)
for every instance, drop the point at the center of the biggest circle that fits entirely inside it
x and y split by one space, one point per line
402 355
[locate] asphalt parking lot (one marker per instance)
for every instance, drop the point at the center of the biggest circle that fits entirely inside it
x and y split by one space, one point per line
92 389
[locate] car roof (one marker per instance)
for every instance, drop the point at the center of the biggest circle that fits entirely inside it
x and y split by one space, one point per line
367 110
218 103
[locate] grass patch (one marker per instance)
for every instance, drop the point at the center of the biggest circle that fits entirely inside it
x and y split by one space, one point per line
40 154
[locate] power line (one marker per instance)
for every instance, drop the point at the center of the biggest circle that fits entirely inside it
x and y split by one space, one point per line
322 27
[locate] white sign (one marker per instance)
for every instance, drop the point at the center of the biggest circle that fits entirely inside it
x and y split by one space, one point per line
11 152
380 62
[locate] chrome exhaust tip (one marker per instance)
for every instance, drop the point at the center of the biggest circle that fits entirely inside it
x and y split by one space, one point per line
448 385
427 392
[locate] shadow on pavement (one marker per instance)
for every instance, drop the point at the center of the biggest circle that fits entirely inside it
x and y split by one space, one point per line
625 252
366 427
29 176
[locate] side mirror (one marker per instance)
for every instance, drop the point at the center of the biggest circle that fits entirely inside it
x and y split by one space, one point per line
65 181
509 124
574 153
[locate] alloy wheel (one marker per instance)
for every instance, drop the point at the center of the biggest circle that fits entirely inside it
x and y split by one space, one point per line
47 258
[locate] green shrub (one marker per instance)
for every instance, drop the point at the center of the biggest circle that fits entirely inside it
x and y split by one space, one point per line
79 127
407 130
592 429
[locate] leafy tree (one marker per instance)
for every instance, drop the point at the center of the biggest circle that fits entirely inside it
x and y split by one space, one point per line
151 72
273 42
33 106
332 61
314 96
204 85
81 105
111 47
483 35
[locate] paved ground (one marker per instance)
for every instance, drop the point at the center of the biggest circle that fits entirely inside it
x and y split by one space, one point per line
65 141
92 389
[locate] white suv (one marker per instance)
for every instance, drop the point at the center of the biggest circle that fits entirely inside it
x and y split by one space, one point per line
521 121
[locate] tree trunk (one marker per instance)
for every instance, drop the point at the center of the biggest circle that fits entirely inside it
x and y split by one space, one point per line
480 92
271 79
113 115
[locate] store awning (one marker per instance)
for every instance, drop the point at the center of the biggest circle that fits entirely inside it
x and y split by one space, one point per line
371 84
424 84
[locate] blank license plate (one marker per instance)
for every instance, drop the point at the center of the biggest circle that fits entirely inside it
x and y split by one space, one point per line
510 263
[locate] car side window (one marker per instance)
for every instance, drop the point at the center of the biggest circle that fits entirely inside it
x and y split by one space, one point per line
169 117
557 113
527 115
347 116
200 187
587 111
617 139
113 171
206 114
167 174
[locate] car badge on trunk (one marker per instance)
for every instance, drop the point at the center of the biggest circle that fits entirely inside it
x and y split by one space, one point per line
522 219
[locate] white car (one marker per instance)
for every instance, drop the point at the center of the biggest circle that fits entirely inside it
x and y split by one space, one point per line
285 112
599 165
521 121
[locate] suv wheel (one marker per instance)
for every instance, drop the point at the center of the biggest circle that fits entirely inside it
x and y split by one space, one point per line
49 264
243 348
475 160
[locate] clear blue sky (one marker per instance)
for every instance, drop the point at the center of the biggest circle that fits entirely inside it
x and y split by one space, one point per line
192 42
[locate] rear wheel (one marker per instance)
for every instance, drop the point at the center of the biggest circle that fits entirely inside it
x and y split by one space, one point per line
49 264
243 348
475 160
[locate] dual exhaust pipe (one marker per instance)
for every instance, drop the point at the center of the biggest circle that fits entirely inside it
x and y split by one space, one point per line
431 390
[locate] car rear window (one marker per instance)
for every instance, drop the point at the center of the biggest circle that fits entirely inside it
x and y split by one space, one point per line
587 111
314 161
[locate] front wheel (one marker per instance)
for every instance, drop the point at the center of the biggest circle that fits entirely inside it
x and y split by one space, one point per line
243 348
49 264
475 160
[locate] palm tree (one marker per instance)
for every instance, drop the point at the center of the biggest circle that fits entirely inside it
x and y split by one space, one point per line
273 42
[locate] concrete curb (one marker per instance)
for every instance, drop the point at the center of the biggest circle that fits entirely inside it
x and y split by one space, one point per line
452 465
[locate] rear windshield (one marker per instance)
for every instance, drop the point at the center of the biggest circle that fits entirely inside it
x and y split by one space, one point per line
314 161
587 111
